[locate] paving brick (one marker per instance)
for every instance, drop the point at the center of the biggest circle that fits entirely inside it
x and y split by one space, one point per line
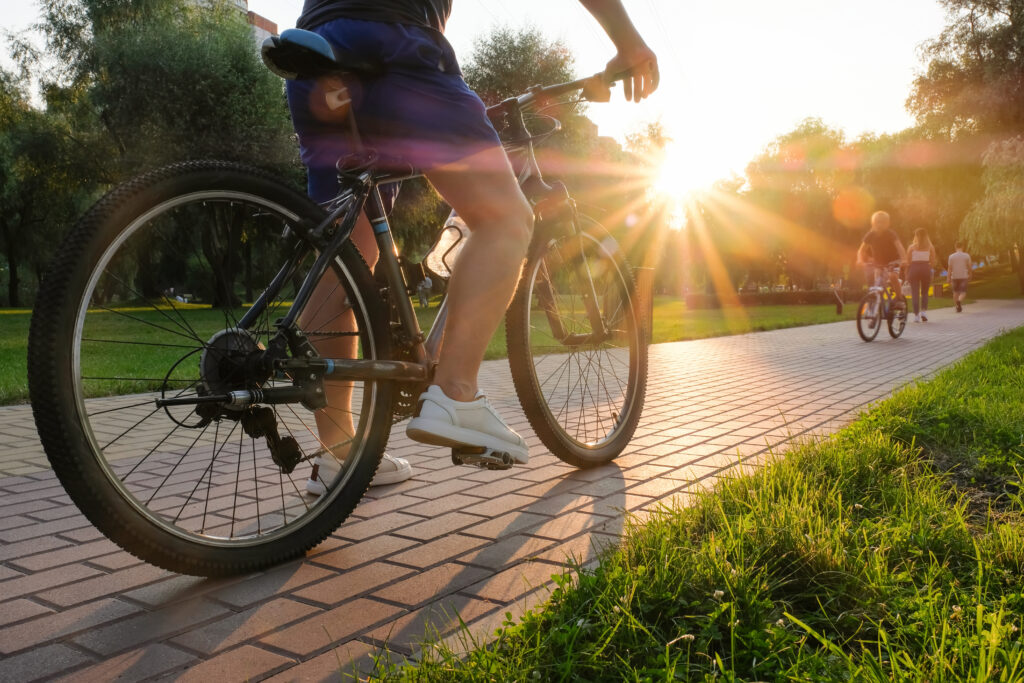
148 627
176 588
514 581
352 583
238 628
33 583
55 558
334 626
432 584
245 663
506 525
365 551
507 552
55 626
579 550
374 526
656 488
343 663
17 610
500 505
439 550
429 623
41 530
143 663
567 525
278 581
435 491
435 508
445 524
107 584
41 663
115 561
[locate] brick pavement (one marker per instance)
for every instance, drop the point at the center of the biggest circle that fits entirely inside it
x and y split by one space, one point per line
449 542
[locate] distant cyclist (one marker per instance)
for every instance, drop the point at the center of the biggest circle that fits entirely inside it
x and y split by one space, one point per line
421 113
880 247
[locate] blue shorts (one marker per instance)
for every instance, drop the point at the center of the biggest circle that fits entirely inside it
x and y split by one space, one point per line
419 113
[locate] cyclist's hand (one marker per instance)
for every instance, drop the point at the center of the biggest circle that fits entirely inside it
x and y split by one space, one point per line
641 65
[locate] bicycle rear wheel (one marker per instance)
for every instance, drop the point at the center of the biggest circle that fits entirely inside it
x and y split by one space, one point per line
869 316
581 388
143 303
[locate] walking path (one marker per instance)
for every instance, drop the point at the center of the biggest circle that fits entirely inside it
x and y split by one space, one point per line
451 539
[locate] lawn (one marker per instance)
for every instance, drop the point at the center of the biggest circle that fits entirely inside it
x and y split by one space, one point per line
891 551
672 322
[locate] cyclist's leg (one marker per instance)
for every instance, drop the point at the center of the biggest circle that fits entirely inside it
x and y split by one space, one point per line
326 305
484 192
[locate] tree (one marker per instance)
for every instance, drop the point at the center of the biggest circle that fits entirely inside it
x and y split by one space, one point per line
996 222
505 62
794 185
974 82
150 82
40 188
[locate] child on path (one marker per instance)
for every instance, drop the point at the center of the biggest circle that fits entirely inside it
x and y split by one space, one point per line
959 266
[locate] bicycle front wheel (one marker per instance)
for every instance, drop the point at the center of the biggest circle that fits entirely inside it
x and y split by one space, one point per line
576 346
897 320
869 316
151 298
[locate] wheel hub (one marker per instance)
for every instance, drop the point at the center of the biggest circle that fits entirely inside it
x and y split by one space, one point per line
231 361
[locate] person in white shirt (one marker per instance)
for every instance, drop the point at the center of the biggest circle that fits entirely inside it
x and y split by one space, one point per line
919 261
959 266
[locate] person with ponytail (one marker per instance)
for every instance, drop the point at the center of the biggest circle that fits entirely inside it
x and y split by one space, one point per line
919 261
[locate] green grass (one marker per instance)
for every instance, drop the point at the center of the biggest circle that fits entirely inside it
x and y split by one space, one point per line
857 558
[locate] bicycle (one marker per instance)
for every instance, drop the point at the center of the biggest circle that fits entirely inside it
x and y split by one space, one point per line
881 301
177 367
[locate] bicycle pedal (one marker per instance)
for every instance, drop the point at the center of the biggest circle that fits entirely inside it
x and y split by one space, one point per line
483 458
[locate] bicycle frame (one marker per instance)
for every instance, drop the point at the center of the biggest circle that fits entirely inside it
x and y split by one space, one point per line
360 191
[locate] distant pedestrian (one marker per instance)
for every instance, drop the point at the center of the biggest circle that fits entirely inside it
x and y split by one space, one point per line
423 291
959 268
920 260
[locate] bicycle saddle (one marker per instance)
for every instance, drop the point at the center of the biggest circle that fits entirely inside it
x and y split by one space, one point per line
303 54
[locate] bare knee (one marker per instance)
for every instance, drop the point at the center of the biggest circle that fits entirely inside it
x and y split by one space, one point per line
509 221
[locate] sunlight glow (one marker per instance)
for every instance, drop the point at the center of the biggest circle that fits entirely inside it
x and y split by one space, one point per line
681 174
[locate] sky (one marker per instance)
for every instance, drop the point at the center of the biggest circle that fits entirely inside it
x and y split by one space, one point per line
734 75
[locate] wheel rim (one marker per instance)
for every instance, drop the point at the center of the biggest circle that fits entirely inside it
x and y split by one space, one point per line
204 480
587 389
867 331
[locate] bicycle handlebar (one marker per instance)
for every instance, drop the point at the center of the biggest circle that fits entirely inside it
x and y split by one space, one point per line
596 84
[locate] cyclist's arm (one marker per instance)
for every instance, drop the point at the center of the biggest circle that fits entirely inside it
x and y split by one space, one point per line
901 250
633 54
861 261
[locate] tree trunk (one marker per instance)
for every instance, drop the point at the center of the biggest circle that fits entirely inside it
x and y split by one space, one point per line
13 283
1020 266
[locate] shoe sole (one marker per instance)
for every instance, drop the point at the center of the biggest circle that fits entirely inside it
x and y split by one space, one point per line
317 488
438 433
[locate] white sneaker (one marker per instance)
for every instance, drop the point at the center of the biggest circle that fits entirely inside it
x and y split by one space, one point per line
917 318
325 467
441 421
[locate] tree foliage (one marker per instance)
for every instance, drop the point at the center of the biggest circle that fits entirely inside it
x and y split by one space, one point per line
974 82
997 219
